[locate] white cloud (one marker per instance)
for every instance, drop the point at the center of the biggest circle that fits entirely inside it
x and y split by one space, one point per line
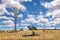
11 13
39 28
16 4
4 17
20 16
39 20
12 3
23 0
22 21
2 9
25 24
54 13
50 27
53 10
52 4
31 18
9 23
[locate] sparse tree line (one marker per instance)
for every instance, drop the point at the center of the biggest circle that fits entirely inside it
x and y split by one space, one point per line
29 27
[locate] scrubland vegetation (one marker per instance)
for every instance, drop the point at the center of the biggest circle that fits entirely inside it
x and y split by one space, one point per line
42 35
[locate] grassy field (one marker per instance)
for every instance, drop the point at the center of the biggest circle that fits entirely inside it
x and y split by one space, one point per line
42 35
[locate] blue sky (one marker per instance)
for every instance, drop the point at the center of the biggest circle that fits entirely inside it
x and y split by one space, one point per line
38 13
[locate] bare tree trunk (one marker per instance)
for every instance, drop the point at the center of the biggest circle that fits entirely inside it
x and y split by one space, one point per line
15 19
15 22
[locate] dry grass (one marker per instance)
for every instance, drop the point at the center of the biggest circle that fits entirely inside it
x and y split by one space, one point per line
43 35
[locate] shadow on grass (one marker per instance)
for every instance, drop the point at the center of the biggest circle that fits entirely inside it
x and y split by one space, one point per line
31 34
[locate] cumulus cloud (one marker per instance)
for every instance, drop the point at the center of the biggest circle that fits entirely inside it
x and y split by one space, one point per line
31 18
23 0
20 16
13 4
11 13
4 17
25 24
53 10
2 9
9 23
16 5
39 20
23 21
53 4
50 27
